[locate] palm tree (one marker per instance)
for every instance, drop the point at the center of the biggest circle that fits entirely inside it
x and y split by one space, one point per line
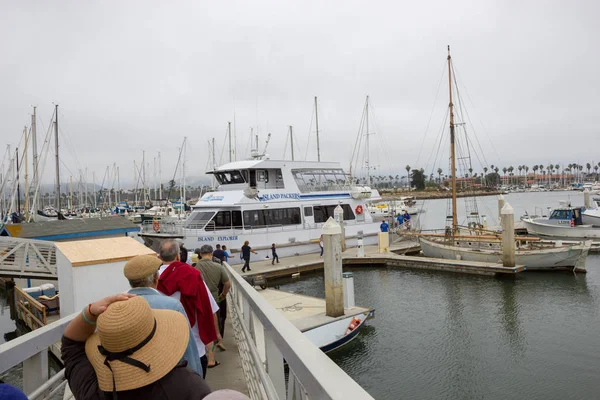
504 170
520 168
596 171
439 171
407 168
535 169
485 170
588 166
510 170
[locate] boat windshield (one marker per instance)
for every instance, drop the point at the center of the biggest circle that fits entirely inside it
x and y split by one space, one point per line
561 214
198 219
321 180
229 177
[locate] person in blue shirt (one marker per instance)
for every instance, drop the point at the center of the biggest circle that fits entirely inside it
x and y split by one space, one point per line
407 219
400 219
142 274
226 254
384 226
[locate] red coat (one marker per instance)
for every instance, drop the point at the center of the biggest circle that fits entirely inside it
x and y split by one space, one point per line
183 278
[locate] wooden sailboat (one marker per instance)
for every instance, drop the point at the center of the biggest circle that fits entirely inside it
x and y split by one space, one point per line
471 244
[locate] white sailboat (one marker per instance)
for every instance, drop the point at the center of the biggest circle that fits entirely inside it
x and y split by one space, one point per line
475 244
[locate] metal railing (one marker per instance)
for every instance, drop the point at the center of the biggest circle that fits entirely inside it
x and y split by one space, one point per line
267 340
32 350
27 258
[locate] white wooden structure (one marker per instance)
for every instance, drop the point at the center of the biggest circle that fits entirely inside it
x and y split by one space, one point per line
89 270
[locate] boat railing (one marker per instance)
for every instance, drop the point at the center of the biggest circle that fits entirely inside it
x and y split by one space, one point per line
268 341
29 310
199 229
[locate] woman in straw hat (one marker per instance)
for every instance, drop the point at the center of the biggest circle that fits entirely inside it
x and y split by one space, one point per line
135 353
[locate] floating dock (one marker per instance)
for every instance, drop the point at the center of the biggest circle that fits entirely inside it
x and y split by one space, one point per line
397 257
306 312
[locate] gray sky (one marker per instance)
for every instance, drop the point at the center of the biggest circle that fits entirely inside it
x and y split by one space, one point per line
140 75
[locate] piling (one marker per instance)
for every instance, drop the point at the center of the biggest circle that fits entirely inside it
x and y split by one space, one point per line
586 199
332 265
338 214
348 282
507 222
384 242
500 205
360 245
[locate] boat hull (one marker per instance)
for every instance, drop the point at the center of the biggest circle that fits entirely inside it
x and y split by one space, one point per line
563 257
332 336
578 232
591 217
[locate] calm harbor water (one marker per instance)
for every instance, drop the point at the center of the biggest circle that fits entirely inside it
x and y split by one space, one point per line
448 336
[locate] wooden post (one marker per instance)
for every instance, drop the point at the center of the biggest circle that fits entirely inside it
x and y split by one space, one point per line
338 214
507 221
35 371
586 199
500 205
332 265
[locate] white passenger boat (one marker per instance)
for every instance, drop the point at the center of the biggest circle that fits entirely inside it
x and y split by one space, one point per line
268 201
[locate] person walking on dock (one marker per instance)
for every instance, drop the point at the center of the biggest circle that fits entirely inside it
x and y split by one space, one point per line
407 219
135 353
400 219
215 277
184 283
218 253
274 253
225 253
142 274
321 245
246 250
384 226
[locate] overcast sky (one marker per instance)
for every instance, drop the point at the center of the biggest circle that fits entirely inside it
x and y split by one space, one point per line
140 75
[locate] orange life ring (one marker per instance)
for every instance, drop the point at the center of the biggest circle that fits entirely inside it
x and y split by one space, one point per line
156 226
359 209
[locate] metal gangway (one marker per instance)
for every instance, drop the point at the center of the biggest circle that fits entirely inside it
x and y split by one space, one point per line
27 258
277 360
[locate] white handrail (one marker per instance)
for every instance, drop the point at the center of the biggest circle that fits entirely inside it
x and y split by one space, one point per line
278 339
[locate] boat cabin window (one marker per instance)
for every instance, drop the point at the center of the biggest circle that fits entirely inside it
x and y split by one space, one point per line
252 178
322 213
308 211
198 219
225 220
228 177
279 179
321 180
560 214
262 176
272 217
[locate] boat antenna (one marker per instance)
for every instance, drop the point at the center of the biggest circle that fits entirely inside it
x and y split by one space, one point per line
229 134
452 152
292 142
367 150
317 126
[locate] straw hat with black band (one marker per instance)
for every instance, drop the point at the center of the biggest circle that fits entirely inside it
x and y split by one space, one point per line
135 345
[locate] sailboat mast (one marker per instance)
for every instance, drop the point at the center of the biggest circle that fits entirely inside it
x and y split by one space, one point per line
35 154
229 134
159 178
292 142
26 160
367 150
452 151
57 158
317 126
